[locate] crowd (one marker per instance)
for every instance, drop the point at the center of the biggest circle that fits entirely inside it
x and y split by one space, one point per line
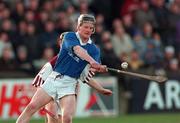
144 33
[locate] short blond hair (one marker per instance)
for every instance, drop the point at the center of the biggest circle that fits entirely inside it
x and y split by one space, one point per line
86 18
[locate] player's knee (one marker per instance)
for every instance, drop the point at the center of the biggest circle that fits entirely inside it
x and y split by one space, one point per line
66 118
31 107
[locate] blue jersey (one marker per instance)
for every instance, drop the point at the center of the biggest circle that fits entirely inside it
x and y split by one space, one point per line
68 63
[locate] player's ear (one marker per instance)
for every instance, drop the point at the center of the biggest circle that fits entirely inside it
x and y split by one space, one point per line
93 30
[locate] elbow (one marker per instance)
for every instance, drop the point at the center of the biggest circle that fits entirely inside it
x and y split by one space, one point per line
78 50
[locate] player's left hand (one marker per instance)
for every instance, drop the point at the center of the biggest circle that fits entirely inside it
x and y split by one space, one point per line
106 92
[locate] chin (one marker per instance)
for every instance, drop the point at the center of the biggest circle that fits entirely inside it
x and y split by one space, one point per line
87 36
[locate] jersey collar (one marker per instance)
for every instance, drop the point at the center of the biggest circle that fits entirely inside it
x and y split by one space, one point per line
89 41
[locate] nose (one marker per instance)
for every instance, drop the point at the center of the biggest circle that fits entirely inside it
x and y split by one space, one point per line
89 30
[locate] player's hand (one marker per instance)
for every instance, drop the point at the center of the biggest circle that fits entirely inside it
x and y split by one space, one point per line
106 92
98 67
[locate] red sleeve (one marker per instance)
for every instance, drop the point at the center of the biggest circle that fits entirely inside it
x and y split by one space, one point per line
53 61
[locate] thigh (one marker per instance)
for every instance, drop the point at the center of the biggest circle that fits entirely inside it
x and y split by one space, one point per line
52 106
65 86
68 104
40 98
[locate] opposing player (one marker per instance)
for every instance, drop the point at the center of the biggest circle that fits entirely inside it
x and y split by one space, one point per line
76 52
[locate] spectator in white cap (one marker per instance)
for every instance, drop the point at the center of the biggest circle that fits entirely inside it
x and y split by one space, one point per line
169 54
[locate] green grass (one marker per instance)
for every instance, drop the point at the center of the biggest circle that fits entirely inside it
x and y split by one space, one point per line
148 118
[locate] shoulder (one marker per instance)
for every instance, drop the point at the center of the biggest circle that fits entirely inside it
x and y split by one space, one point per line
70 35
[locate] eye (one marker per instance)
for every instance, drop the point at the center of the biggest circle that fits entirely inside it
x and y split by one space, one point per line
91 28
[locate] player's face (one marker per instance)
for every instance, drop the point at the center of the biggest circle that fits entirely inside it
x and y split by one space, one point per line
85 31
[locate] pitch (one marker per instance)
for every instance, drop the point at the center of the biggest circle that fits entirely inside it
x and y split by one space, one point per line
146 118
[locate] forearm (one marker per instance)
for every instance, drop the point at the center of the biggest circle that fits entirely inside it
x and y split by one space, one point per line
92 83
82 53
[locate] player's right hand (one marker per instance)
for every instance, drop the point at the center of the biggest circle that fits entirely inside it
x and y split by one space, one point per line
98 67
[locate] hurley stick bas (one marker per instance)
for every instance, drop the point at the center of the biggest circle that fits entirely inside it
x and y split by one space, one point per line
157 78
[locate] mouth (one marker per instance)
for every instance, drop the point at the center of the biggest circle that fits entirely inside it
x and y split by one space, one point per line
87 34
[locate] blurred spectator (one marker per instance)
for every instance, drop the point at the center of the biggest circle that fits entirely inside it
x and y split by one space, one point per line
48 54
116 23
43 17
174 17
144 14
161 12
7 61
128 24
153 42
31 42
8 27
2 7
103 7
108 56
158 42
99 28
23 62
152 56
47 5
173 71
135 62
29 16
60 5
19 35
129 7
18 12
177 2
121 41
168 56
4 39
48 38
147 31
84 7
63 23
72 15
33 5
139 44
6 13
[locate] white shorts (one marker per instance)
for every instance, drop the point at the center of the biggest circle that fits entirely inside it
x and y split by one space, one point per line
42 75
57 85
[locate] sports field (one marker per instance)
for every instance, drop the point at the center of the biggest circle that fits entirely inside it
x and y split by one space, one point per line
148 118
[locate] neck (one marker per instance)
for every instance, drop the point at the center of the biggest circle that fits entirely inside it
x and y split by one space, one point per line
84 40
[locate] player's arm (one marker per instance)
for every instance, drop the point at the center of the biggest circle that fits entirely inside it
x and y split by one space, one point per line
87 77
98 87
74 47
82 53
